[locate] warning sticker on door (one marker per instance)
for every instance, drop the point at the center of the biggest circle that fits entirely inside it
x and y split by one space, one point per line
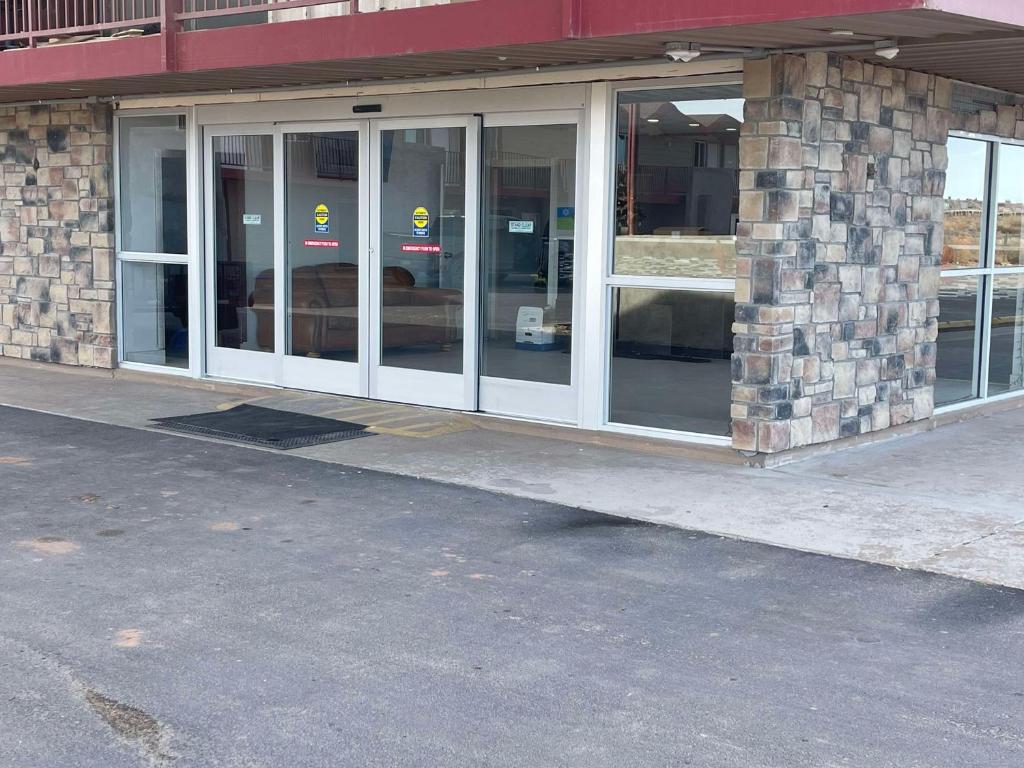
321 219
414 248
421 222
321 243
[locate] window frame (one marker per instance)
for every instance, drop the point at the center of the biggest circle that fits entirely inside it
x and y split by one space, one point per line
187 259
986 272
610 280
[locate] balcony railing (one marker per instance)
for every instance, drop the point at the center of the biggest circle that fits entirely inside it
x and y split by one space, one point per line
30 23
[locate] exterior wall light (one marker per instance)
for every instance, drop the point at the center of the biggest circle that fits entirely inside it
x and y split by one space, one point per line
887 49
684 52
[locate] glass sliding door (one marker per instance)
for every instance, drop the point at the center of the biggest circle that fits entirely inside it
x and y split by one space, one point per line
529 225
423 261
243 292
324 264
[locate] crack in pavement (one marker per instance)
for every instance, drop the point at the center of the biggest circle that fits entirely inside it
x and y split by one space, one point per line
994 532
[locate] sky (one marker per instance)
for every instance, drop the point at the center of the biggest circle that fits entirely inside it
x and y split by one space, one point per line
731 107
965 179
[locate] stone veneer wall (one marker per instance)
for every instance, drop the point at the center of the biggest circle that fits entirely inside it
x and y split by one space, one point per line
56 230
840 239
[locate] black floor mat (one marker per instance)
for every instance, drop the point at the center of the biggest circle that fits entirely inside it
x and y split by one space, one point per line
266 427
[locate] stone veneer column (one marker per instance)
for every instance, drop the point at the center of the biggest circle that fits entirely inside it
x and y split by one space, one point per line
840 235
56 229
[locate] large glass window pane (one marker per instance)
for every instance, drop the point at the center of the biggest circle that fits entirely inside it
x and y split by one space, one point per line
677 182
152 197
154 303
422 241
529 231
1010 197
671 355
1006 356
964 203
243 181
322 202
956 369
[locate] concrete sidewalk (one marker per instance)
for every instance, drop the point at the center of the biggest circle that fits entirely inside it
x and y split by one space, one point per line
948 501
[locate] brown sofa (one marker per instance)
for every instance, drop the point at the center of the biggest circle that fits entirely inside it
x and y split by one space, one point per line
325 310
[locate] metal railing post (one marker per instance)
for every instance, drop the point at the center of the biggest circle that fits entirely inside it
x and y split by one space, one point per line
30 22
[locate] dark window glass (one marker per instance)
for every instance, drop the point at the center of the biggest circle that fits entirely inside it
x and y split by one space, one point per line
671 355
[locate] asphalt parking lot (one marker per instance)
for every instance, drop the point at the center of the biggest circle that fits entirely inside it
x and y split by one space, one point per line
174 601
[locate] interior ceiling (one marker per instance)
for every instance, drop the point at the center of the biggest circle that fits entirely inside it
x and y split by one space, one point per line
962 48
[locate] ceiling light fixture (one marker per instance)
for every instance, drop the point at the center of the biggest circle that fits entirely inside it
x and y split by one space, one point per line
695 125
887 49
653 120
842 33
684 52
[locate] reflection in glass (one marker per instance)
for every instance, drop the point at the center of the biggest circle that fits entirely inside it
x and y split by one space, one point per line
154 303
1010 220
152 177
964 203
243 189
677 182
422 241
956 369
671 355
1006 356
529 188
322 225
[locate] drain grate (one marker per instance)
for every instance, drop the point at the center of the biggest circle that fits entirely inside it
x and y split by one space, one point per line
265 427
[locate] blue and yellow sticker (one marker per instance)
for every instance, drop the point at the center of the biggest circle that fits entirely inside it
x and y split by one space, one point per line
321 219
421 222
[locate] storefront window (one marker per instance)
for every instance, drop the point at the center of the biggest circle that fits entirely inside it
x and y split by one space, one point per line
677 182
153 240
152 172
956 370
670 359
154 298
673 277
981 297
529 230
966 185
1010 209
1006 358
